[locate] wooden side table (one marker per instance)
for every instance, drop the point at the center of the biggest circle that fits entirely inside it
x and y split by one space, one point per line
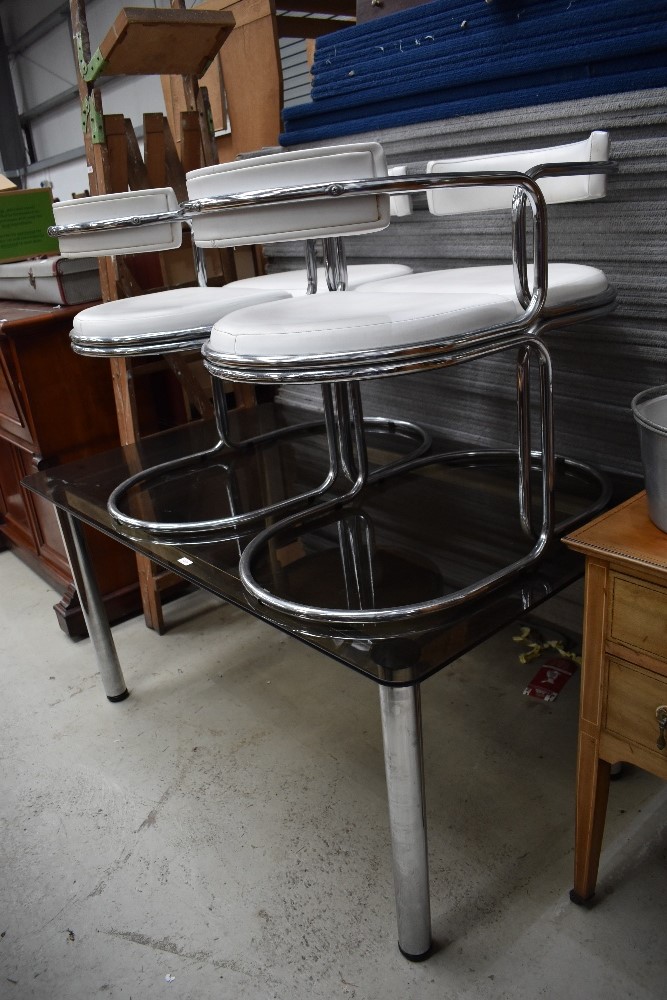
623 711
55 407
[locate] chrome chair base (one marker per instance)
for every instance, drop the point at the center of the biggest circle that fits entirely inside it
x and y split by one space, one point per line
225 451
543 460
356 561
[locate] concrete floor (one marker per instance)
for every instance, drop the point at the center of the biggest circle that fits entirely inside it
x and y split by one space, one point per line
223 833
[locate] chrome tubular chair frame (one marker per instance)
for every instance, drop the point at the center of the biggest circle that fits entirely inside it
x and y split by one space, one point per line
364 365
347 471
417 438
524 334
370 615
399 360
140 346
544 459
225 449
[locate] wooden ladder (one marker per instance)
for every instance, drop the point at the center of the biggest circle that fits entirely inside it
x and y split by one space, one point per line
167 41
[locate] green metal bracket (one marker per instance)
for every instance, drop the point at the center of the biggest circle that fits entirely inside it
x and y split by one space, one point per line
92 68
95 67
81 59
91 119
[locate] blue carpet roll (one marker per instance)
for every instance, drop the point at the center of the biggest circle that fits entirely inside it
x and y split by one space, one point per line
456 57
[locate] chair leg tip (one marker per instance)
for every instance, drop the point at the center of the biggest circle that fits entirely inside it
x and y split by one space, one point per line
581 900
417 958
118 697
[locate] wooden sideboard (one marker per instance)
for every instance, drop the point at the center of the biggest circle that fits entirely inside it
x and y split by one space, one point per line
624 676
55 407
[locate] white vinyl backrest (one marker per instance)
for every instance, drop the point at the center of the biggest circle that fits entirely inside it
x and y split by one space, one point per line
293 220
584 187
130 239
399 204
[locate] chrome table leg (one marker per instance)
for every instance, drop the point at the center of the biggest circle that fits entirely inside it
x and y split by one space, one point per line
94 612
401 732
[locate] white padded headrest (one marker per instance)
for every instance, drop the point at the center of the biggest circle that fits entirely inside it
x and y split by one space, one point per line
293 220
585 187
399 204
130 239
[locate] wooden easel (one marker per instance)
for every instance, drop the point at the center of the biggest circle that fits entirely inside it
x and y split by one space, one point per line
146 41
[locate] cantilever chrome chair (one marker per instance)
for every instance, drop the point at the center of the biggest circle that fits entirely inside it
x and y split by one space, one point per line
343 340
174 319
570 286
181 319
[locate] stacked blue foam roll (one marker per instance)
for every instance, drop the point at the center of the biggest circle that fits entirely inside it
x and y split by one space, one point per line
461 57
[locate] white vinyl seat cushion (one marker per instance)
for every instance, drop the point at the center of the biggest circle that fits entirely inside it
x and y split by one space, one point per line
295 282
173 310
569 284
332 325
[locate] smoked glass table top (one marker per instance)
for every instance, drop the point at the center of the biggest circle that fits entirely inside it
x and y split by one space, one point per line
420 534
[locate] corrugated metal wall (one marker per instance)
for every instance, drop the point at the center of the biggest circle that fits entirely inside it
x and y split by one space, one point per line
296 72
598 366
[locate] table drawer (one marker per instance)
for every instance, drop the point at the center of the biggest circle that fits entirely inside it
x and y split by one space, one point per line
633 696
639 616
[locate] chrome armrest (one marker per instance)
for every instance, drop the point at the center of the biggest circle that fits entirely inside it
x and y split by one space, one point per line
126 222
532 299
524 292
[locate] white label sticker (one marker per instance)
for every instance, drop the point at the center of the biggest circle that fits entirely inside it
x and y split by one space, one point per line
184 561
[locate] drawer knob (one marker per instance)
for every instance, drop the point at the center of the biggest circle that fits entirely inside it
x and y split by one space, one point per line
661 716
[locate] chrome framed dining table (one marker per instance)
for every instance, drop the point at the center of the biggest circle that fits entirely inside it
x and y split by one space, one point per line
367 553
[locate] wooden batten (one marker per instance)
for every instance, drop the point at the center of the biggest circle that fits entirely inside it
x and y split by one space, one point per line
244 84
150 41
155 153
